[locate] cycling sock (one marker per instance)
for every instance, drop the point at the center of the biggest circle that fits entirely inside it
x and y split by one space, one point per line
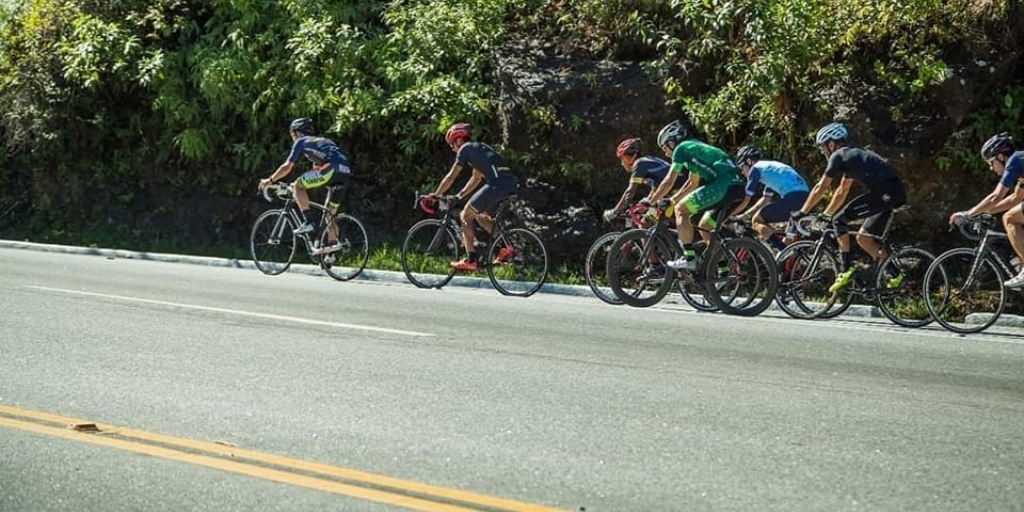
308 215
688 251
845 260
471 256
892 269
776 242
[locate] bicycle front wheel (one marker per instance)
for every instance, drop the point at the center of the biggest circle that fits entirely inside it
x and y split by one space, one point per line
518 263
804 280
740 277
350 259
427 253
272 242
595 269
963 297
638 279
901 296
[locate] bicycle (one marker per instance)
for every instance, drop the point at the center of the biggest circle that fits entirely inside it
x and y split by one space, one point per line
736 275
273 239
973 279
516 259
809 267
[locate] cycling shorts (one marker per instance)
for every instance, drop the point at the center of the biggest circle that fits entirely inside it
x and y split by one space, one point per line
487 198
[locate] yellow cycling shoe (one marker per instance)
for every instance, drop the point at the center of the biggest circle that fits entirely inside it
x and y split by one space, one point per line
842 279
895 281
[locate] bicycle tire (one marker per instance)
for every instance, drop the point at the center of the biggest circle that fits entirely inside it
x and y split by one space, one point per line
905 305
429 248
629 274
522 271
595 268
694 295
800 295
350 260
749 263
950 305
272 242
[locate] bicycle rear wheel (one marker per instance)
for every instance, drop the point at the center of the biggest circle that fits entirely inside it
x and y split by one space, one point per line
517 263
748 287
427 253
905 304
349 261
635 279
804 281
953 292
272 242
595 268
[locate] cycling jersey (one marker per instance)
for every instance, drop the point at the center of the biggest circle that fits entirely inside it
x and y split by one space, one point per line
860 164
777 177
1013 171
710 163
648 171
481 157
323 152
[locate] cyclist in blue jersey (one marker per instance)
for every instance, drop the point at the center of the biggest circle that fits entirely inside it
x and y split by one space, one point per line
499 183
781 189
330 167
885 193
1007 162
643 171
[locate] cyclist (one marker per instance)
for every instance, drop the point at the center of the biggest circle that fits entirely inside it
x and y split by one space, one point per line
713 182
330 167
784 190
643 170
1004 160
499 184
885 193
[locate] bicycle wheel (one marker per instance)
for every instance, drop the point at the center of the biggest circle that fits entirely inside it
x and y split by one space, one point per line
349 261
635 279
804 281
518 263
427 253
905 304
595 268
693 293
749 285
964 291
272 243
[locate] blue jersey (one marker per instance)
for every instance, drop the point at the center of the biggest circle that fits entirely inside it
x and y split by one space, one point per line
1013 171
319 150
648 171
481 157
777 177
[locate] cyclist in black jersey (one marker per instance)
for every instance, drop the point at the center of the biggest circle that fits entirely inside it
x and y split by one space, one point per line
643 171
885 193
499 183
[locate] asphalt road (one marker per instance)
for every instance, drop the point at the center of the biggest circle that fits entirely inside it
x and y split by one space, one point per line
556 401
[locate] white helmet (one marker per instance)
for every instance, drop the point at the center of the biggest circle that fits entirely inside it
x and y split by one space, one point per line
832 131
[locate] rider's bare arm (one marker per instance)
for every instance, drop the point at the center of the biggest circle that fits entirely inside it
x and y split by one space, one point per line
839 197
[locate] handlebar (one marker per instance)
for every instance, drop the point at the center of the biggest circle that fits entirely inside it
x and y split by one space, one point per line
974 229
444 203
280 191
637 212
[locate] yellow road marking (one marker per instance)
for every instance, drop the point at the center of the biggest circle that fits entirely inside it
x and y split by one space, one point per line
270 316
451 500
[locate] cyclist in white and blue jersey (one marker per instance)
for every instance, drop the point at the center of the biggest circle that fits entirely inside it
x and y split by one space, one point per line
780 188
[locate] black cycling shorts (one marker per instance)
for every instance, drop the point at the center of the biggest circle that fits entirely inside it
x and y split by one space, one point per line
875 206
487 198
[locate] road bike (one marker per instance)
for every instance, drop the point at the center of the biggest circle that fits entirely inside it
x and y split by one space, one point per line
516 259
964 287
274 241
809 267
735 274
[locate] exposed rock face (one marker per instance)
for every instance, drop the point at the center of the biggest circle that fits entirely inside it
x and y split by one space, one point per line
567 230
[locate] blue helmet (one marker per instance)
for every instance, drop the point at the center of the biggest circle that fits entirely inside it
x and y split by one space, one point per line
999 144
831 131
303 125
748 153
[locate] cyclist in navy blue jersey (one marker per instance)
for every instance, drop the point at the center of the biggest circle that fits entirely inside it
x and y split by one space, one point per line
885 193
644 171
330 167
499 183
780 190
1008 163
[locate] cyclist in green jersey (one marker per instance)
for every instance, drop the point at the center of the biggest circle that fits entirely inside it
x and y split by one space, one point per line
713 181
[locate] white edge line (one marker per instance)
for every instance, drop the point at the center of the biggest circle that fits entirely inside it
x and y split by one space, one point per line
235 312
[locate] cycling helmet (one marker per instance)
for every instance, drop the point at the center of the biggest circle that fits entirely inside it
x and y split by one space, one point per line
630 147
674 131
832 131
302 125
748 152
458 131
999 144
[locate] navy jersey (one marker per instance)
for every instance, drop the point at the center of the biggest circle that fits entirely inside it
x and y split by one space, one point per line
861 165
319 150
648 171
481 157
1013 171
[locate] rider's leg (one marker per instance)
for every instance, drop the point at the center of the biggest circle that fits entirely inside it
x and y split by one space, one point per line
707 223
302 201
469 216
1013 220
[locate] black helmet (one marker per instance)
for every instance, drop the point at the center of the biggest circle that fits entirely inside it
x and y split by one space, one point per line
1000 144
303 125
748 153
674 131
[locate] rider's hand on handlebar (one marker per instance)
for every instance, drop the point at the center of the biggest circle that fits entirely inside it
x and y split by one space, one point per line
797 215
609 215
264 183
664 202
959 218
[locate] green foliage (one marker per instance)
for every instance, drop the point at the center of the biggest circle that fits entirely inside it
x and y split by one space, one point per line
1005 113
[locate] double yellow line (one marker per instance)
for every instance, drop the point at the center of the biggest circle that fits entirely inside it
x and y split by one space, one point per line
285 470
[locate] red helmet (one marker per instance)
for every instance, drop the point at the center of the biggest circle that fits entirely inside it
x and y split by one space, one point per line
629 147
456 132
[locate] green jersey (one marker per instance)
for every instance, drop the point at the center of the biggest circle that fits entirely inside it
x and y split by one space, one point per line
710 163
